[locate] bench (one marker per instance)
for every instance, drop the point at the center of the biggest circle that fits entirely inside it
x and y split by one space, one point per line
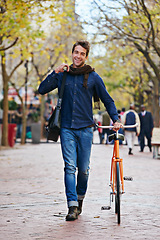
156 142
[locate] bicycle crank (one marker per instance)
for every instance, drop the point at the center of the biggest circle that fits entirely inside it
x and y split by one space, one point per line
106 208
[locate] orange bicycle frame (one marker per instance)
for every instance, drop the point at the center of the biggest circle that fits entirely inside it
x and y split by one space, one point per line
115 159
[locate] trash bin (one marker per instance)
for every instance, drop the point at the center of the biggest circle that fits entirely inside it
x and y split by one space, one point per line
36 132
12 129
0 133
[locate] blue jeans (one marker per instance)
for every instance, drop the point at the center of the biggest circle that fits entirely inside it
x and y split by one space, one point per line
76 149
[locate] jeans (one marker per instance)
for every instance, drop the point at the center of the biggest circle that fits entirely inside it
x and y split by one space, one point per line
76 148
19 131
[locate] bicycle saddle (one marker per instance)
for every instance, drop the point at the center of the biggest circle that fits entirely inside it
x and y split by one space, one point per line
113 137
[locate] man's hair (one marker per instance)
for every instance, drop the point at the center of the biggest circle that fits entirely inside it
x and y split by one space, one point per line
84 44
132 106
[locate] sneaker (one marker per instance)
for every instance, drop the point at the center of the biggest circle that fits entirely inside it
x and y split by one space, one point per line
72 214
130 153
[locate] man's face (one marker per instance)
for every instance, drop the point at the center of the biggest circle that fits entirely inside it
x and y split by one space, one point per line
79 56
142 109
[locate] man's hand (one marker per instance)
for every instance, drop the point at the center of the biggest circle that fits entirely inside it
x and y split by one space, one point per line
117 126
61 68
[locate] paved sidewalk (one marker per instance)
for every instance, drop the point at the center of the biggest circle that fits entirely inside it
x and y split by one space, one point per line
33 204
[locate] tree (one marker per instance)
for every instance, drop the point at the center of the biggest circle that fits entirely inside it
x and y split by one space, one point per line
124 74
15 30
20 31
136 24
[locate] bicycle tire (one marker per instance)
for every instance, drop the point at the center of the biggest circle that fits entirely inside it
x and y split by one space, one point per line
116 203
117 195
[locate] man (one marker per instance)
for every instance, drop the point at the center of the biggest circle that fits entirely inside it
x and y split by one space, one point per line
146 128
130 118
18 120
122 111
105 122
77 121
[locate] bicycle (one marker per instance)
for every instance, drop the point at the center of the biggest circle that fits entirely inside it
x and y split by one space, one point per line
116 175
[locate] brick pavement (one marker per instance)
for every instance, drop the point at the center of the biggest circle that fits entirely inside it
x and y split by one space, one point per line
33 204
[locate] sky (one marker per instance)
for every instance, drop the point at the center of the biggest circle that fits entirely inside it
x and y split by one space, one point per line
82 7
84 10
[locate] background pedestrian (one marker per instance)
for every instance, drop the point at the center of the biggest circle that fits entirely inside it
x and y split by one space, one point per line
131 117
147 126
106 121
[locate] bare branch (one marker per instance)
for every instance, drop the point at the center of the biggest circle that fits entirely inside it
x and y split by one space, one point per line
41 76
148 15
15 68
148 58
17 90
35 66
6 48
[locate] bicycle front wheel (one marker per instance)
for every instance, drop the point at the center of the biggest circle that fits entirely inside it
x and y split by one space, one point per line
117 194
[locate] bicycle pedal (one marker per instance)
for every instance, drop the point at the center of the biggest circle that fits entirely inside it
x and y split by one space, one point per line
128 178
106 208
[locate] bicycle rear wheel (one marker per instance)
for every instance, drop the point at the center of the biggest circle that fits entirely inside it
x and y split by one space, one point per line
117 195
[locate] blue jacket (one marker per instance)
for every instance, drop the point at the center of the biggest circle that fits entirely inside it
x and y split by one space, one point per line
76 109
130 120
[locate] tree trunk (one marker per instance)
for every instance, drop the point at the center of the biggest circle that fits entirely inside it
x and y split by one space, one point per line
5 102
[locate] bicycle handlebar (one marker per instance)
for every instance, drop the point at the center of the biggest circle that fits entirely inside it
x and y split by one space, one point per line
124 126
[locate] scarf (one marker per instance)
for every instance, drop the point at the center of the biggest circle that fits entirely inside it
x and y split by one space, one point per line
85 70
